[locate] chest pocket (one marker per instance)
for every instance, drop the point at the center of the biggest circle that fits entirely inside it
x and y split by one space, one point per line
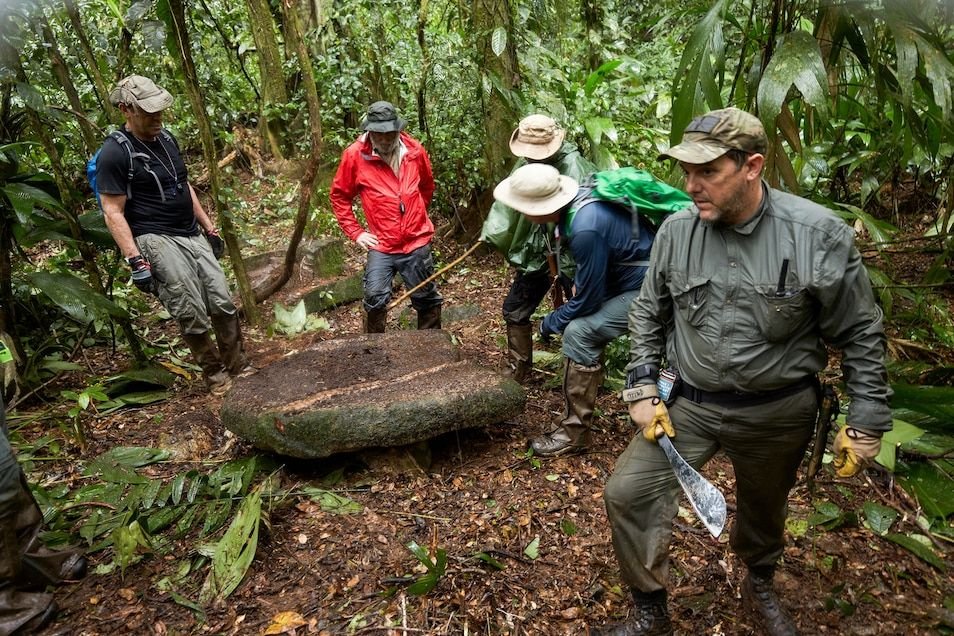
779 318
691 297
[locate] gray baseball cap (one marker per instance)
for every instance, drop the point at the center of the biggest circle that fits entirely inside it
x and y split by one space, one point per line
141 91
710 136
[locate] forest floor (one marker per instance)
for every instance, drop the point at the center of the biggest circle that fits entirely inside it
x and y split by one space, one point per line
481 493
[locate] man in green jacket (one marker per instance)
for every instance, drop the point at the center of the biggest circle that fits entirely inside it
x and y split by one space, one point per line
743 293
525 245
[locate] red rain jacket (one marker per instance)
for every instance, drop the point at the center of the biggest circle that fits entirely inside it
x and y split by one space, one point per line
383 195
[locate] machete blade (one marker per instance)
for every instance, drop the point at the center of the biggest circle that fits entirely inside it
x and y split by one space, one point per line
706 499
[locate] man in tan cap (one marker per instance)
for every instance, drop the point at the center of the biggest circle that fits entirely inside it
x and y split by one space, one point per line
744 291
610 266
161 228
525 245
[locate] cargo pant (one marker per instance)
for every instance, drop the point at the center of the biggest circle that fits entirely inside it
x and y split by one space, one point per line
766 444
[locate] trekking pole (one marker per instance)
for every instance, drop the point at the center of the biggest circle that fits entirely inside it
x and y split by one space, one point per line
404 296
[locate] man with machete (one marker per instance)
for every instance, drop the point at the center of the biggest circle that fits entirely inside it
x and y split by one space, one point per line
744 291
610 265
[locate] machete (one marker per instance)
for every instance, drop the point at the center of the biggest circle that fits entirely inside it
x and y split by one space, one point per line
706 499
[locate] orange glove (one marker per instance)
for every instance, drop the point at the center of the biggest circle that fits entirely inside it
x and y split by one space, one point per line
853 449
652 418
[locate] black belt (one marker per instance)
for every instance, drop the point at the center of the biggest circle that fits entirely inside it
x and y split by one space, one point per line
737 398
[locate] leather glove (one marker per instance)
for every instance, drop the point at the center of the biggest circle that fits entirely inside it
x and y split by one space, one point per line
216 243
652 418
142 275
854 449
367 240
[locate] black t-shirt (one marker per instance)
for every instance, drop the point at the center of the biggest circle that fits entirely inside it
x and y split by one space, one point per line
157 169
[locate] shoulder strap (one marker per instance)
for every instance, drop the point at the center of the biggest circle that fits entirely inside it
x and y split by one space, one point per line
123 140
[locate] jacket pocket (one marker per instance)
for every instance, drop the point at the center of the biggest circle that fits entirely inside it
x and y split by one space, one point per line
780 317
691 297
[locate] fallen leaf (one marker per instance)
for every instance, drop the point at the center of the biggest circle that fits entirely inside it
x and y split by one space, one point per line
570 613
127 593
284 622
354 580
94 600
571 490
303 538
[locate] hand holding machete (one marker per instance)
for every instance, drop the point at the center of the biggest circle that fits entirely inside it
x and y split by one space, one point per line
652 418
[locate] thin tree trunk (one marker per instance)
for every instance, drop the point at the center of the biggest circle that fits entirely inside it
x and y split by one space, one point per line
274 91
307 184
180 36
92 64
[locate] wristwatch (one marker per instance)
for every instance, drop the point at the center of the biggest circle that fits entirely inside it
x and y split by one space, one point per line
642 374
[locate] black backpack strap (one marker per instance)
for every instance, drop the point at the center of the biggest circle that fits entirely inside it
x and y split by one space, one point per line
124 141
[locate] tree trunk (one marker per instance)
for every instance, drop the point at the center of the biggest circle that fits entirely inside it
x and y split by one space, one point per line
272 78
92 64
180 37
500 73
91 136
307 184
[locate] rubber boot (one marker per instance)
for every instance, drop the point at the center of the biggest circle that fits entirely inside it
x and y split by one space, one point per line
228 335
20 612
40 566
650 617
758 595
573 435
207 357
429 318
375 321
520 351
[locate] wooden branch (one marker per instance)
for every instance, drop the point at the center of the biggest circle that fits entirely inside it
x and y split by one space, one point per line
433 276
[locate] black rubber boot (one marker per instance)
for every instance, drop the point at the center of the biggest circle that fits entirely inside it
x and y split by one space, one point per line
429 318
758 595
375 321
207 357
573 435
520 351
650 617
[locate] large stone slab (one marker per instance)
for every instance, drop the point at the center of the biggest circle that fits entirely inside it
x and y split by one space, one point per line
367 391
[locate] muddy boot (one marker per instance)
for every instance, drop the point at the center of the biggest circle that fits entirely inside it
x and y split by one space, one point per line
20 612
429 318
519 351
228 335
207 357
40 566
650 617
375 321
758 595
572 434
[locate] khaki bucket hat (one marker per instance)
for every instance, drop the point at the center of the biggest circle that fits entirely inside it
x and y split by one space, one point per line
536 137
710 136
141 91
536 189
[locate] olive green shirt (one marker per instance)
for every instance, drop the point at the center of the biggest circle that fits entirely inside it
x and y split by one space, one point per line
711 303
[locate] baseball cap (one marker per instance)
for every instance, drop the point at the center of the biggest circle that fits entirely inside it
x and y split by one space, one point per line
141 91
710 136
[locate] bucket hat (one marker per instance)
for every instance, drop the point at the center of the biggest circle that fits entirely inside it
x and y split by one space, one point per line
141 91
710 136
382 117
536 137
536 189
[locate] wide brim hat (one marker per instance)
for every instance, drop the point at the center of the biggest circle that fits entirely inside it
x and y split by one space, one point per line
382 117
536 189
141 91
710 136
536 137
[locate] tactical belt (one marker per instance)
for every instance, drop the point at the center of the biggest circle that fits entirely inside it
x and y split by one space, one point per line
737 398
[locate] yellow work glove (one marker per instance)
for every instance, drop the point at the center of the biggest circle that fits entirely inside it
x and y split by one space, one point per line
854 448
652 418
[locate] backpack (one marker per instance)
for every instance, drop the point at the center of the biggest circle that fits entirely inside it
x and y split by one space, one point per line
124 142
645 197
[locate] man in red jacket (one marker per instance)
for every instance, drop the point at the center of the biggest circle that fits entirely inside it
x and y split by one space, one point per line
391 172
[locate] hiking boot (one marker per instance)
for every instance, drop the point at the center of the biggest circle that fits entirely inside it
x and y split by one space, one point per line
572 434
759 596
228 336
20 612
650 617
519 352
216 378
